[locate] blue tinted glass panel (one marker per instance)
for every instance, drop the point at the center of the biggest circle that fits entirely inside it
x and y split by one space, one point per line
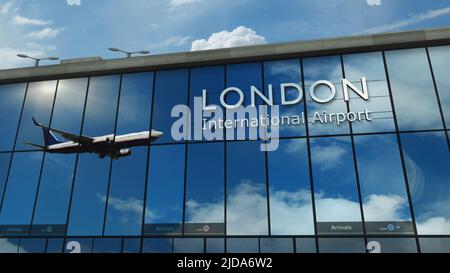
434 245
5 159
336 194
396 245
342 245
383 188
32 245
440 58
78 245
242 245
164 207
215 245
9 245
55 245
11 99
243 76
205 189
371 66
188 245
286 71
212 79
38 104
412 89
277 245
20 193
305 245
107 245
329 69
427 159
131 245
170 89
290 189
57 174
246 189
91 180
157 245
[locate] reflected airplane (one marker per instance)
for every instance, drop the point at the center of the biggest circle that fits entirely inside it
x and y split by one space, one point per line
107 145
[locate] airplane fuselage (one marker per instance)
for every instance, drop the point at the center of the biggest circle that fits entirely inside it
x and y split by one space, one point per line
103 145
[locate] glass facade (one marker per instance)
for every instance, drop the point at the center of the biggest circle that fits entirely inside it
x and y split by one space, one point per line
378 184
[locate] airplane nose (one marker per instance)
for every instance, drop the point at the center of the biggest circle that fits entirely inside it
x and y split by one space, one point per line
157 134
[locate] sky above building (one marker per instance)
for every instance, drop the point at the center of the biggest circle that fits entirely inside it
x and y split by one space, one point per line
82 28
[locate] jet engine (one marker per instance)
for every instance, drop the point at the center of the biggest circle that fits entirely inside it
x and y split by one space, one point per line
121 153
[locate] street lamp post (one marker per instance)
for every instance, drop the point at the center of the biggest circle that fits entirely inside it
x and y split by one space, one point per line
37 60
129 53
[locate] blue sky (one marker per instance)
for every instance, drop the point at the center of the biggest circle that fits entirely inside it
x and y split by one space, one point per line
80 28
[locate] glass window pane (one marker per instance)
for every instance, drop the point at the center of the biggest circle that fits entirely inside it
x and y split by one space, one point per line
342 245
78 245
383 188
242 245
336 193
5 159
55 245
107 245
131 245
414 96
427 159
157 245
57 174
324 68
17 210
215 245
286 71
440 58
246 189
396 245
290 189
170 90
188 245
11 99
212 79
243 76
32 246
38 104
205 190
434 245
276 245
91 181
9 245
369 65
164 207
126 194
305 245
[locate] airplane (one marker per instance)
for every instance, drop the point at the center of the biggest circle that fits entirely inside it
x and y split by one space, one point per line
107 145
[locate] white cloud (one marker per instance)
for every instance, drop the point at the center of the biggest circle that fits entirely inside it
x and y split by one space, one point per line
46 33
171 41
6 7
435 225
414 19
23 21
179 3
73 2
240 36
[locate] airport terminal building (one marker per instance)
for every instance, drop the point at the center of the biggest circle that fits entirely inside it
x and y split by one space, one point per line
358 129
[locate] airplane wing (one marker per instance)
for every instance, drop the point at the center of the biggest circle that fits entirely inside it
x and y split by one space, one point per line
66 135
35 145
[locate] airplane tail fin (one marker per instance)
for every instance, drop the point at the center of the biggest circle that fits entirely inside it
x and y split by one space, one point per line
49 137
35 145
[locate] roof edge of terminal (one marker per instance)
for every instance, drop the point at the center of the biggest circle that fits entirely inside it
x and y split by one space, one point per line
341 45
